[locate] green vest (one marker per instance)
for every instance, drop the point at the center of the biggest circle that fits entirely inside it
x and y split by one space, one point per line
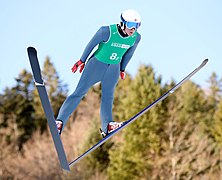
112 51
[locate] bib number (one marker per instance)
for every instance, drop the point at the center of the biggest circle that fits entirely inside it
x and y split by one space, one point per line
114 56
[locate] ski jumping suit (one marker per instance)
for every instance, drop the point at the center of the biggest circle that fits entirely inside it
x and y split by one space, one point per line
111 57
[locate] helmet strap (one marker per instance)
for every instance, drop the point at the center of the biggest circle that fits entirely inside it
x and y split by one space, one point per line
122 25
122 28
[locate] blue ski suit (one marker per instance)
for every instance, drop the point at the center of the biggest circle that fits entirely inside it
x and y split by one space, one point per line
97 71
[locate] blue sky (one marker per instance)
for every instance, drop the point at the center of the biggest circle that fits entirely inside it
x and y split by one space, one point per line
176 35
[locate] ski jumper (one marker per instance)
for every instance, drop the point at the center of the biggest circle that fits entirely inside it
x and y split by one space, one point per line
113 54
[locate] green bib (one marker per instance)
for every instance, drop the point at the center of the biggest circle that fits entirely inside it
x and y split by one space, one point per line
112 51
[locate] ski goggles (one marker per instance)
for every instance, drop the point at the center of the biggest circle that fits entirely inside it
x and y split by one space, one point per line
131 25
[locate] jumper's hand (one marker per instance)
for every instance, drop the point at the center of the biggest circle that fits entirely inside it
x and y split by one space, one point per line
122 75
77 65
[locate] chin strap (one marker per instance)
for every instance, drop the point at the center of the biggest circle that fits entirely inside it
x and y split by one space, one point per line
121 28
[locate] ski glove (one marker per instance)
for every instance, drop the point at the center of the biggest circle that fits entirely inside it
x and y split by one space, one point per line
122 75
77 65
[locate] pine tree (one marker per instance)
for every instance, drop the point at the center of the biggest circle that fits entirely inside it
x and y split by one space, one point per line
56 90
217 124
133 158
214 97
215 90
24 110
217 132
18 110
57 93
186 114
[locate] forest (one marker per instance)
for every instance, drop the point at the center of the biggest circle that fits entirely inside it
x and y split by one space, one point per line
178 139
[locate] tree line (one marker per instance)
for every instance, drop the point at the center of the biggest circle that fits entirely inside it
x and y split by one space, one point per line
179 138
20 107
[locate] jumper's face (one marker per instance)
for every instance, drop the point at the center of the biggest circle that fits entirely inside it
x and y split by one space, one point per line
129 32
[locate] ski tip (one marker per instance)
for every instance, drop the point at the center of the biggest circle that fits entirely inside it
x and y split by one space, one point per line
205 61
31 49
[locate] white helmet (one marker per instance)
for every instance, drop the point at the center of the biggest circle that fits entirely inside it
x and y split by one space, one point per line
131 19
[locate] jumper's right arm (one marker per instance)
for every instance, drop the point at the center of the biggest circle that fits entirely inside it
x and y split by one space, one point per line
101 35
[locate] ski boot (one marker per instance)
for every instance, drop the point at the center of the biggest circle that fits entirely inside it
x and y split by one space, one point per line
112 126
59 125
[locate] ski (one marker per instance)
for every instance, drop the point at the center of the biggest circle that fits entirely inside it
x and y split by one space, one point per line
32 54
126 123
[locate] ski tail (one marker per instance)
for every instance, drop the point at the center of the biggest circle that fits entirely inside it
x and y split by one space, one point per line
135 117
32 53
